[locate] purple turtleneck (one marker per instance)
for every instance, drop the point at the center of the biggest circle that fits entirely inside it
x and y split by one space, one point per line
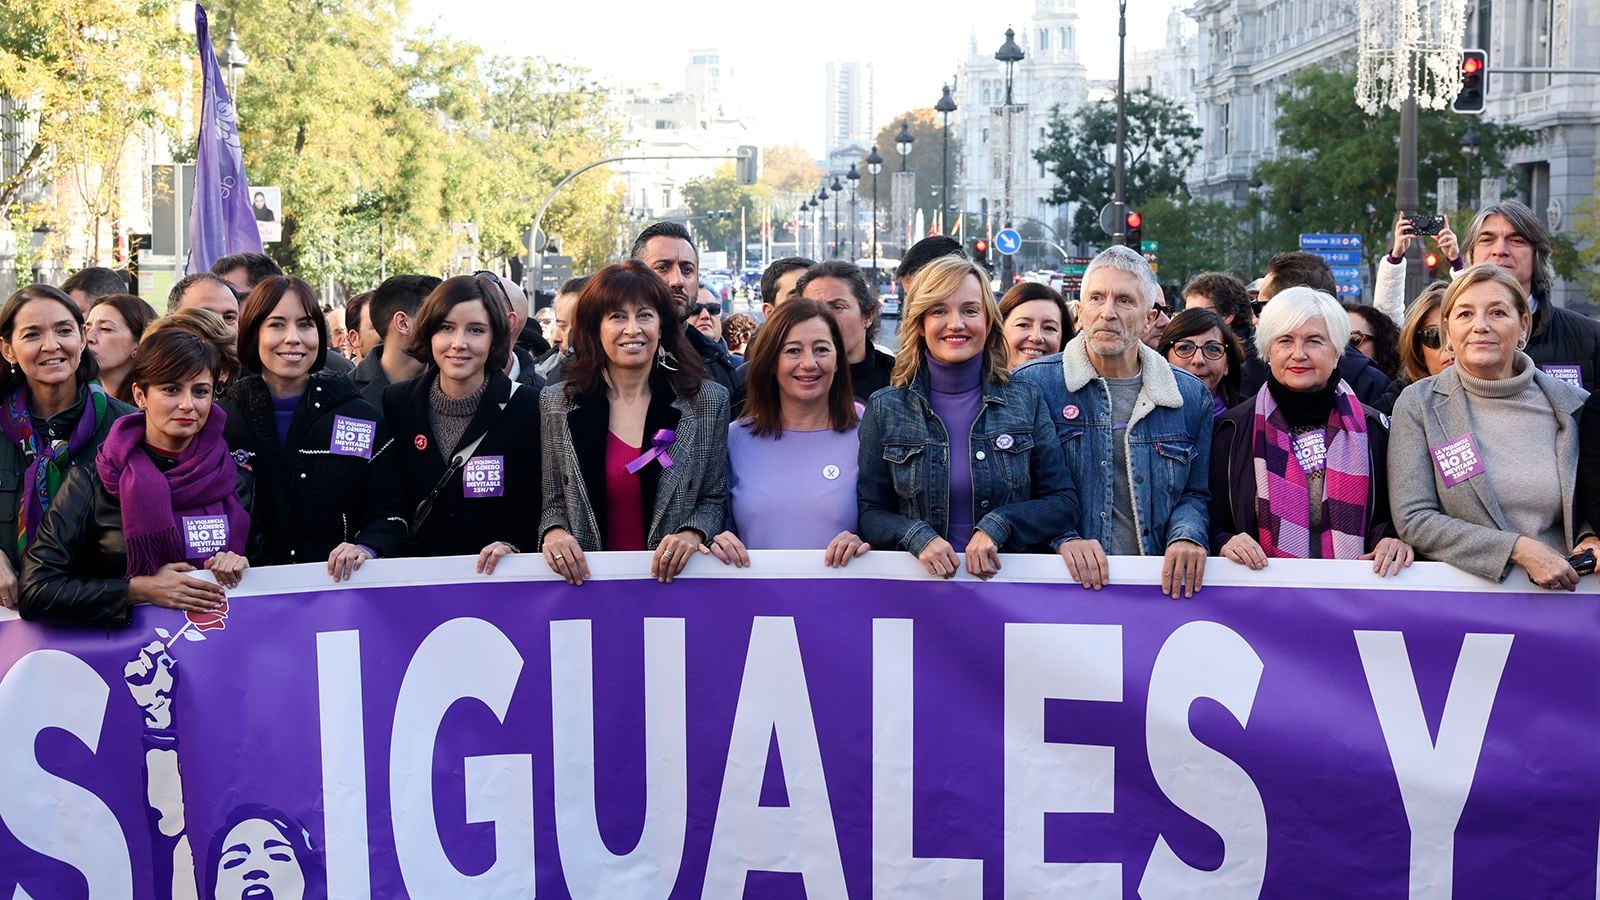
957 394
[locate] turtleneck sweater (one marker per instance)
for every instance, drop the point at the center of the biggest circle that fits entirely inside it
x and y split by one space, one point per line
450 416
1515 427
956 391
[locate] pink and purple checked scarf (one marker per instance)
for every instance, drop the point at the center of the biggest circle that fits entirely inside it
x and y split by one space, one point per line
1283 495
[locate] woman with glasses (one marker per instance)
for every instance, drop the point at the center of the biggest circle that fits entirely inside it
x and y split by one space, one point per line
1485 454
1376 336
1301 471
467 435
1197 341
1036 322
1422 350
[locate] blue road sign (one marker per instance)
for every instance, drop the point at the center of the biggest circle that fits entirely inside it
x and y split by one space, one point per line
1345 288
1007 241
1346 273
1340 257
1330 242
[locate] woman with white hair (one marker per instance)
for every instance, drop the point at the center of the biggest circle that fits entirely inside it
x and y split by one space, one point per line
1300 470
1485 453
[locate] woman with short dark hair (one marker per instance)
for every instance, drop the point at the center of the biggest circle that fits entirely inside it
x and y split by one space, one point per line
113 327
636 440
468 437
163 498
1036 322
792 456
55 415
319 451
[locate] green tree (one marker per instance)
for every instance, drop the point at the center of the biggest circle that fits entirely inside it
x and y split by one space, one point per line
1080 148
926 160
714 204
789 169
1194 236
1339 167
84 75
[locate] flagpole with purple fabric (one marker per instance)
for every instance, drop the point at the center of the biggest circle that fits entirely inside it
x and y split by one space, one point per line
220 221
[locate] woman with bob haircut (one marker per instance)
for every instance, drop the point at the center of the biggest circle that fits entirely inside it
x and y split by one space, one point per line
636 440
1484 455
163 498
955 456
318 450
56 415
1200 343
114 325
467 437
1037 322
1422 351
211 328
1300 471
792 456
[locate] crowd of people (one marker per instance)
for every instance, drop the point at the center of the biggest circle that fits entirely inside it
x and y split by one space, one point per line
438 417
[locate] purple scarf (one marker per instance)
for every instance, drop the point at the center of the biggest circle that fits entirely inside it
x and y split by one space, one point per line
154 503
1283 494
50 461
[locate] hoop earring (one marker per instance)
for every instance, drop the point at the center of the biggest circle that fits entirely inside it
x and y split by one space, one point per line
1522 344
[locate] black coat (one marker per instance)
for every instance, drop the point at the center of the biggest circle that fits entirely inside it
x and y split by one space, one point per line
457 525
1233 476
309 499
75 570
719 365
1561 337
1357 370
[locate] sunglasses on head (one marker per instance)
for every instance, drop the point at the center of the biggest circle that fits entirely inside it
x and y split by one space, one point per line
696 309
1429 337
485 279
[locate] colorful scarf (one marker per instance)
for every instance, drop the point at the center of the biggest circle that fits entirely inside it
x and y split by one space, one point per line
49 460
1283 495
154 503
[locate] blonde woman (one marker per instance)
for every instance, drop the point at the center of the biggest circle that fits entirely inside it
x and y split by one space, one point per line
956 458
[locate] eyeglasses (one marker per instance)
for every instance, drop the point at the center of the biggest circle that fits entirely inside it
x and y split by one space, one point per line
1357 338
1164 309
1210 350
696 309
1429 337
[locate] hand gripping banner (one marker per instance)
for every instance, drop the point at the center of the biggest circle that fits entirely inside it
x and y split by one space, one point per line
790 731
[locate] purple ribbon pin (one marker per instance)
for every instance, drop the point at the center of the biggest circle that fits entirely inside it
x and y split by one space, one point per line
662 442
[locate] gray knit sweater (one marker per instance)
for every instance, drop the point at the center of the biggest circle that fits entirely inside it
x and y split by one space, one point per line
450 416
1518 445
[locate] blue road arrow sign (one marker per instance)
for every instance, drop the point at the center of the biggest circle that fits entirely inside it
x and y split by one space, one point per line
1007 241
1330 242
1340 257
1346 273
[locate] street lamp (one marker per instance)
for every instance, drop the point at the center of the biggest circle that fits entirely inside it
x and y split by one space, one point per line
945 107
236 61
837 189
822 215
1469 149
854 177
874 166
902 142
1010 54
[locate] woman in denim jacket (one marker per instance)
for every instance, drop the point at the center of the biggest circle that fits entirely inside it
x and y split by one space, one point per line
956 457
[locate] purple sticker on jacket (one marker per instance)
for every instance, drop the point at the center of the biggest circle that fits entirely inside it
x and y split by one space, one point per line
352 437
1457 460
204 536
1572 375
484 476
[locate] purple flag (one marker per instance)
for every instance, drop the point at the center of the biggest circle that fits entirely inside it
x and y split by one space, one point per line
220 221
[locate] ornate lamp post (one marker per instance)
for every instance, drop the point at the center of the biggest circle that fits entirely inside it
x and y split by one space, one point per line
945 107
837 189
1011 54
235 60
874 166
903 141
854 177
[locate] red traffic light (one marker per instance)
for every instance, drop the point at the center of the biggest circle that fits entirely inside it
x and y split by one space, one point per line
981 246
1433 260
1472 65
1135 220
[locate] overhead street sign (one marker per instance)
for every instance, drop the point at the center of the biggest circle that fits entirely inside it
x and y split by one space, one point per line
1330 242
1346 273
1340 257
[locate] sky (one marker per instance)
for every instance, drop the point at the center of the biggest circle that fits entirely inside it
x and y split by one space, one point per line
774 53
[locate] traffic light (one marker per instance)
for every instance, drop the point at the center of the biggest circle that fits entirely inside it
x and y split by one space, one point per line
1431 260
1133 238
1474 83
980 252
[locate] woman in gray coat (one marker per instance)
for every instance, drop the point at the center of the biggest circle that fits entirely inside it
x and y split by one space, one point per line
636 438
1483 457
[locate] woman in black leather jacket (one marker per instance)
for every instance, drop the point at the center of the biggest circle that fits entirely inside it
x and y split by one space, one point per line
318 450
163 498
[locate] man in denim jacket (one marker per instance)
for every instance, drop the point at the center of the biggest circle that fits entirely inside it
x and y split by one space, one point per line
1136 433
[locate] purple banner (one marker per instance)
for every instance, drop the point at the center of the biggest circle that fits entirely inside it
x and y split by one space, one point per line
788 731
221 221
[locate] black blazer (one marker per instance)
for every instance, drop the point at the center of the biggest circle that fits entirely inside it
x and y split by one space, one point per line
309 499
458 525
75 569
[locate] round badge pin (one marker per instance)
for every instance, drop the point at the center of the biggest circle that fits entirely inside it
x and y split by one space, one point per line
421 442
1004 441
830 472
1069 412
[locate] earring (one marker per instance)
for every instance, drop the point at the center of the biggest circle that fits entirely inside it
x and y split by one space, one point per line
1522 344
